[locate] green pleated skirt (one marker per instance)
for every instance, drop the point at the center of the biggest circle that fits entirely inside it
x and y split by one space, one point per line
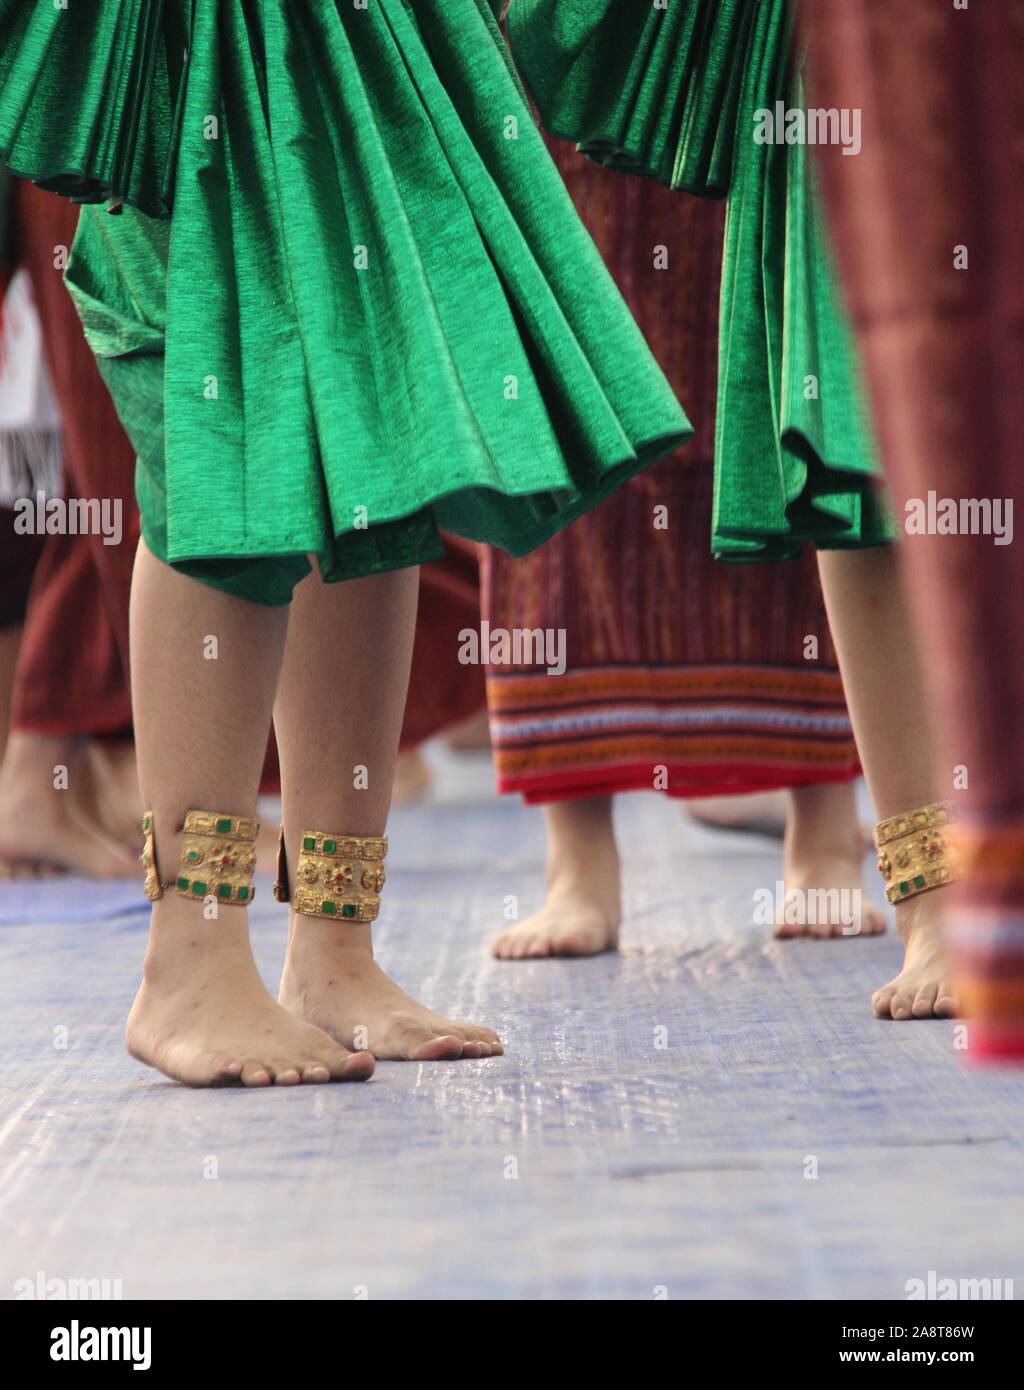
671 93
347 302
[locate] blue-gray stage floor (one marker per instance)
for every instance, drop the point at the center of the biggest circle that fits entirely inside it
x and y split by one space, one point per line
653 1131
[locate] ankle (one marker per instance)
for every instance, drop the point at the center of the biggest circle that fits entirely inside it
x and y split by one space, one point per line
813 837
577 856
311 938
920 914
823 820
180 935
590 874
813 852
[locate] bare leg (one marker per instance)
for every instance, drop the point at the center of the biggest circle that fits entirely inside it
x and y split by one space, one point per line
944 353
344 681
875 641
824 851
42 826
581 912
105 793
202 1014
39 832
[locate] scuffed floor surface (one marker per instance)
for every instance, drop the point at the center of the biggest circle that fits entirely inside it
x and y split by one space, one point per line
653 1130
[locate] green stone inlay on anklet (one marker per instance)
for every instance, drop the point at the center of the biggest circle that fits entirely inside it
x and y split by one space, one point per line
224 826
904 886
183 884
199 889
309 844
328 907
223 890
919 881
145 822
243 894
192 856
330 846
348 910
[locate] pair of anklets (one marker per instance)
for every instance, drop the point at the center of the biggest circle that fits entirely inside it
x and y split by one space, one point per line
337 877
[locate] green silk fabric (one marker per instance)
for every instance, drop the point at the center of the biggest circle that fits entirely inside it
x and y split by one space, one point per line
671 93
348 302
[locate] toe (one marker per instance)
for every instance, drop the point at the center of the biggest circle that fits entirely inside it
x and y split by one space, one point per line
342 1065
224 1071
359 1066
484 1035
901 1005
255 1074
484 1041
500 946
945 1001
285 1073
445 1048
881 1001
924 1002
315 1074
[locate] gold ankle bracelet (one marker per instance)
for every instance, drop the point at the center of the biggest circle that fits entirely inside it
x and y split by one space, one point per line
217 858
337 877
916 851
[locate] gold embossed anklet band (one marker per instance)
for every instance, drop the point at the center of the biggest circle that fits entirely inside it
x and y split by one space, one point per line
916 851
337 877
217 860
218 857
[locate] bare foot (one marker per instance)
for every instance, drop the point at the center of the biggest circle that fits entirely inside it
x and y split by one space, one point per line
577 919
331 980
832 887
39 834
581 912
923 988
824 867
203 1016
